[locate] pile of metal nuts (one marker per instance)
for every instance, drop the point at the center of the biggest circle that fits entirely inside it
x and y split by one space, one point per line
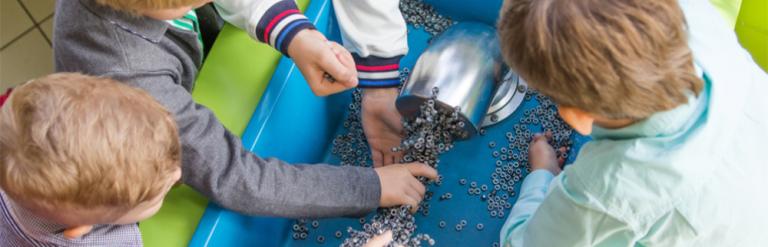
426 137
422 15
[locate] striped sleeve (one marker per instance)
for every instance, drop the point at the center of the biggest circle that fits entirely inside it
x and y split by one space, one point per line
377 72
280 23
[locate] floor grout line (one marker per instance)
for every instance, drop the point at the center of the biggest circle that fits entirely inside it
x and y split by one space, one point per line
29 14
47 40
18 37
46 18
36 25
45 36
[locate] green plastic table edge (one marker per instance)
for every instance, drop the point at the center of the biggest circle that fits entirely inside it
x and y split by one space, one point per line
729 9
230 83
752 29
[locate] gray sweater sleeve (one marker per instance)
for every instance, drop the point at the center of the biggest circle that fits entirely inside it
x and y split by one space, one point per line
146 54
216 164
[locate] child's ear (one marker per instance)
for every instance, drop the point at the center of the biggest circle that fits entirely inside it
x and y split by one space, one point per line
77 231
579 120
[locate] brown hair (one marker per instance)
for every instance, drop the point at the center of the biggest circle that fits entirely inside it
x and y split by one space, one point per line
135 6
70 140
617 59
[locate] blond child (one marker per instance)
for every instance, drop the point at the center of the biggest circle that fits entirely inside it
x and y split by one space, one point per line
150 45
676 110
83 154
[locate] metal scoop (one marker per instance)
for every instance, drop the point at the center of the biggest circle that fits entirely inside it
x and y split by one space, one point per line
465 64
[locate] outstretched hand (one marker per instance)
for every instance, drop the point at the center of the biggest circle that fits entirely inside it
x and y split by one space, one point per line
382 125
399 185
327 66
541 155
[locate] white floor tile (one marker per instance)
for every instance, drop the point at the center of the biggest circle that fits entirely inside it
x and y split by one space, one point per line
27 58
13 21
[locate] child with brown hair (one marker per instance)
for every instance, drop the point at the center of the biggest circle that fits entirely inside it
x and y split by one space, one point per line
154 45
679 123
83 154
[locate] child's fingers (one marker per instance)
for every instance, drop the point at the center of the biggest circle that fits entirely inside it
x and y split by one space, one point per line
343 74
413 202
377 158
345 58
422 170
389 159
418 188
414 195
397 156
380 240
319 85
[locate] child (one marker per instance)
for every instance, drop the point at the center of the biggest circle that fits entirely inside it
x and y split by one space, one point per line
375 32
677 116
132 41
81 153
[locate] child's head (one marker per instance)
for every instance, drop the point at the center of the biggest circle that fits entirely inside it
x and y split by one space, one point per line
601 60
82 150
156 9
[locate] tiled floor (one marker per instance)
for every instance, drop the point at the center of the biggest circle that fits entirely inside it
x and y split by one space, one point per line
25 40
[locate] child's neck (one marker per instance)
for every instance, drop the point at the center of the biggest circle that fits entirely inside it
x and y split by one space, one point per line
614 123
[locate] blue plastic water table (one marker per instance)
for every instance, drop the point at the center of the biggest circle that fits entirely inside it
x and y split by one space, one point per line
292 124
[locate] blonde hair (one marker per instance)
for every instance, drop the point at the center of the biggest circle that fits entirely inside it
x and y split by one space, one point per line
71 140
135 6
617 59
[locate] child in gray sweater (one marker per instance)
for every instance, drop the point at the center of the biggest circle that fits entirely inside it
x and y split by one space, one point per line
148 47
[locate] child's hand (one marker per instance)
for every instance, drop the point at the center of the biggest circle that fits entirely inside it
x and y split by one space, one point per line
380 240
399 185
315 56
541 155
382 125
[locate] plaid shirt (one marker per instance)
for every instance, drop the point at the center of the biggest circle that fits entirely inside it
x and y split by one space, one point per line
19 227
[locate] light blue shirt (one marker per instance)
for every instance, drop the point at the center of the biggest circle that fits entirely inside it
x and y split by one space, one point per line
696 175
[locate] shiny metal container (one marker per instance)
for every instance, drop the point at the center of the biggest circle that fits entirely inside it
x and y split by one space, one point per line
465 64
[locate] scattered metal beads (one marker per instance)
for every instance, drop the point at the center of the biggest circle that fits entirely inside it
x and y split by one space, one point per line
300 230
320 239
420 14
513 158
432 133
427 135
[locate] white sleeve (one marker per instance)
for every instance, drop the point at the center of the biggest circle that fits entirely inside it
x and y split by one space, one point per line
374 31
274 22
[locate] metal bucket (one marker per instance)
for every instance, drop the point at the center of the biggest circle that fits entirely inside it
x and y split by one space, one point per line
465 64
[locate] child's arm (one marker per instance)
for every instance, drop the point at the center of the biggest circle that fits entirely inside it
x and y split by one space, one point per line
547 213
375 32
214 160
281 25
215 163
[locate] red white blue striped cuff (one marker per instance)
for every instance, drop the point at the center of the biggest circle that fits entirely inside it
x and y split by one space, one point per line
280 24
377 72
